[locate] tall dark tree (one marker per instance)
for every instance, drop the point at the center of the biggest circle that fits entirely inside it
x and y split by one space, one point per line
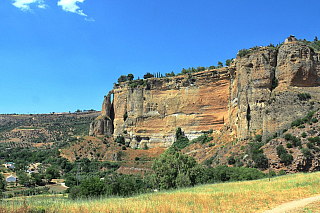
3 183
130 77
148 75
122 78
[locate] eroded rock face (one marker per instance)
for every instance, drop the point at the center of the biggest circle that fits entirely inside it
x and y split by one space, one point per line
257 102
250 88
155 111
103 125
243 98
298 65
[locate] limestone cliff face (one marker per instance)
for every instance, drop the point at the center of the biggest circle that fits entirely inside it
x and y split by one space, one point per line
250 88
244 97
298 65
155 111
257 102
103 125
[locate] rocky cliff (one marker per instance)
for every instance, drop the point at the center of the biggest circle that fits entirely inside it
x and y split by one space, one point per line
258 91
265 85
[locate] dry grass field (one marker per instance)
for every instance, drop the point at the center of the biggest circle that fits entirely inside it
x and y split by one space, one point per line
246 196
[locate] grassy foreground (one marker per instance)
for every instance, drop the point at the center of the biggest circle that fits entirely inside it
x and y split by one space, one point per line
247 196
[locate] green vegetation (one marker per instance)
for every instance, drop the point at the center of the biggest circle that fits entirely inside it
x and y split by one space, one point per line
260 160
181 140
202 139
295 141
314 45
307 153
304 96
304 120
120 139
284 156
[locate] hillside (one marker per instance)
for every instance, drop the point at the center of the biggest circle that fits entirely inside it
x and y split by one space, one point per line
43 130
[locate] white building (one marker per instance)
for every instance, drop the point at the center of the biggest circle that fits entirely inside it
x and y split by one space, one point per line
9 165
11 179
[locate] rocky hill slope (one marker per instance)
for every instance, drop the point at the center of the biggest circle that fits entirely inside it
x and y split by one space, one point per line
264 89
35 130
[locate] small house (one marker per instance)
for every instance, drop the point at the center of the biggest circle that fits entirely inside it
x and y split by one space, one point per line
9 165
11 179
291 38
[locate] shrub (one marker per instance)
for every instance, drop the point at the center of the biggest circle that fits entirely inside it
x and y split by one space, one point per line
281 150
211 144
269 139
304 96
203 139
148 75
307 153
289 145
260 160
125 116
181 142
145 146
281 172
288 136
231 160
123 148
258 138
286 158
296 122
243 52
296 141
120 139
136 158
304 134
273 174
301 126
314 120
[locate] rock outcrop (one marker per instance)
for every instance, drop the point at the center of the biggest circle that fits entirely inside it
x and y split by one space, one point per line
151 114
103 125
265 85
258 91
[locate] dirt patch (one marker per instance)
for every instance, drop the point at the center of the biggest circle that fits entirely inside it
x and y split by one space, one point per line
294 206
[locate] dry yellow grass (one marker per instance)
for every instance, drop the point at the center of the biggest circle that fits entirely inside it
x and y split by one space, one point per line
247 196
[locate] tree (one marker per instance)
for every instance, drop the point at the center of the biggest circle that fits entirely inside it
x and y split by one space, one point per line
148 75
3 183
260 160
130 77
281 150
174 167
231 160
23 178
122 78
228 61
92 187
52 173
36 179
170 74
220 64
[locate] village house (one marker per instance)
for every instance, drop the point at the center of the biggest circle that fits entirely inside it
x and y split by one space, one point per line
9 165
11 179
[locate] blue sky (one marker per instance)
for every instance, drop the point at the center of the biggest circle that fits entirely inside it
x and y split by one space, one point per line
64 55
